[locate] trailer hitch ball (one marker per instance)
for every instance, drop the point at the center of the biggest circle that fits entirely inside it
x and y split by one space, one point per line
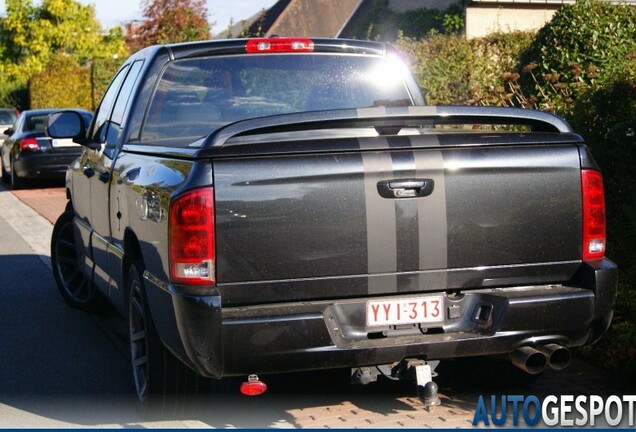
426 387
428 394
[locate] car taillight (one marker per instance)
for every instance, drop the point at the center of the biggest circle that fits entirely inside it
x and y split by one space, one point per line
28 145
268 45
593 215
191 238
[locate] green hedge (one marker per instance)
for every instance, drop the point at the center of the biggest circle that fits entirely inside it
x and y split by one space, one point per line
586 41
64 84
14 94
454 70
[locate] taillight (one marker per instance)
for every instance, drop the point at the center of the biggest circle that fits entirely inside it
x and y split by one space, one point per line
593 215
269 45
28 145
191 238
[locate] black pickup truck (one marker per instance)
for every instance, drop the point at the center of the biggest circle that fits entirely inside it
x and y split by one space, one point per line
272 205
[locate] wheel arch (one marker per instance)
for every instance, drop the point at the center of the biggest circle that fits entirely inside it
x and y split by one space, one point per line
132 255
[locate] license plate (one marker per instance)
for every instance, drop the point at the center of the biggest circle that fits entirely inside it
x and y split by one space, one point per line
415 310
64 142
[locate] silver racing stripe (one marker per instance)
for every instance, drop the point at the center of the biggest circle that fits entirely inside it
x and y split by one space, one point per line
431 213
381 224
383 216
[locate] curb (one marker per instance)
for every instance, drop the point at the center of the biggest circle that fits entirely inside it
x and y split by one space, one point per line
29 224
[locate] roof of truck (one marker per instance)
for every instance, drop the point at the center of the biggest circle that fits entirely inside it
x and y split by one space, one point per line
290 45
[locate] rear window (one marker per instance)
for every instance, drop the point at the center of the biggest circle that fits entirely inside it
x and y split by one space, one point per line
196 96
36 123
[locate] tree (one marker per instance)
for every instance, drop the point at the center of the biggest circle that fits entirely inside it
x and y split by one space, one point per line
168 21
30 35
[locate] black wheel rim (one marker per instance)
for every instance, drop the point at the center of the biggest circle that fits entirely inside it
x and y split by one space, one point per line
67 265
138 341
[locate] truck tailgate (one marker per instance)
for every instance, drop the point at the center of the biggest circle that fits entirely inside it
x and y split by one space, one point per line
322 225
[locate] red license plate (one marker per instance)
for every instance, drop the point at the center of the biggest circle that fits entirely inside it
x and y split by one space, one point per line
415 310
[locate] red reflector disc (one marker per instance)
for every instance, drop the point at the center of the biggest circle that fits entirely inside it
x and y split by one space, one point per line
253 388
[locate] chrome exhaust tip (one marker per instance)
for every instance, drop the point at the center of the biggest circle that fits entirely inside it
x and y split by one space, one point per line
529 360
558 356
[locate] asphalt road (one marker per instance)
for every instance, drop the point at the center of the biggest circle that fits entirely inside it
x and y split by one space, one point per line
62 368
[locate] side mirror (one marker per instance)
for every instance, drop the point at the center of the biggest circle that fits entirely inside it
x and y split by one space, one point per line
67 124
8 132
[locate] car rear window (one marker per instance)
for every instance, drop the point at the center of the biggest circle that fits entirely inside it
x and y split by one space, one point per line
36 123
194 97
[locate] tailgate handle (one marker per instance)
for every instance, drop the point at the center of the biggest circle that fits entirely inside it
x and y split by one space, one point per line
406 188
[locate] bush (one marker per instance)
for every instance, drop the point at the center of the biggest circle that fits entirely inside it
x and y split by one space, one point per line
65 84
586 46
61 85
584 34
102 72
454 70
13 94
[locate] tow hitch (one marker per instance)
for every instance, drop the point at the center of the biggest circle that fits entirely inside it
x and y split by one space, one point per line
419 371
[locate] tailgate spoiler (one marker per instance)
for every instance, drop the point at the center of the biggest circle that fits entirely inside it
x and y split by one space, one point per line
389 120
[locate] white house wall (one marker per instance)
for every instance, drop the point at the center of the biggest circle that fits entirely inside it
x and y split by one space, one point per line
481 21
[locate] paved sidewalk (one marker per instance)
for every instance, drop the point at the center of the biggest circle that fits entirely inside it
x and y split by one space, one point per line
49 202
28 223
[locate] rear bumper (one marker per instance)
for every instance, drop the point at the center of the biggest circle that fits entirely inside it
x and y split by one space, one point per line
44 165
220 342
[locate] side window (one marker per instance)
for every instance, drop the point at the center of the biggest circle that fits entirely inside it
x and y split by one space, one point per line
114 126
125 93
106 107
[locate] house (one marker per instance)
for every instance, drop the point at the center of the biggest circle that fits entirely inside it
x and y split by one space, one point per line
319 18
315 18
488 16
337 18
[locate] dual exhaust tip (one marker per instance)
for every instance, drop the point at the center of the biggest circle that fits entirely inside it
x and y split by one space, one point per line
534 360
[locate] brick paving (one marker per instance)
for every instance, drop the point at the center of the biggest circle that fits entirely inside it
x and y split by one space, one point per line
394 405
48 202
412 415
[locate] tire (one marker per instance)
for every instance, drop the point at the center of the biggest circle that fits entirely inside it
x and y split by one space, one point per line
17 182
66 259
164 385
